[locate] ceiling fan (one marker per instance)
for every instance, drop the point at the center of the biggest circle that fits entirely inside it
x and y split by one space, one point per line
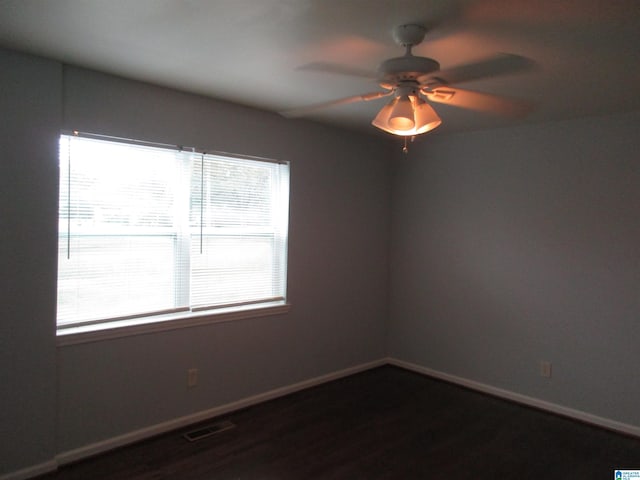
411 80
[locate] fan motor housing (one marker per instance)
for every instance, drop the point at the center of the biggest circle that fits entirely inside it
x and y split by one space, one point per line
405 68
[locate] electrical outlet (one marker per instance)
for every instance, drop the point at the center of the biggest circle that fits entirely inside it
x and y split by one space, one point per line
545 369
192 377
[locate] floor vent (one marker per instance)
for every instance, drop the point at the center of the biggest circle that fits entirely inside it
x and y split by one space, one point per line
207 431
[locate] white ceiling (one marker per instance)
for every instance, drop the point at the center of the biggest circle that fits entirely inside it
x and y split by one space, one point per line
246 51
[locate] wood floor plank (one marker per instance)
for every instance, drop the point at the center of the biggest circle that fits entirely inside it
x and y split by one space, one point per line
385 423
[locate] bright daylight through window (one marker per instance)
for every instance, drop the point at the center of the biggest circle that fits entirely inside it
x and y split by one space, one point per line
147 231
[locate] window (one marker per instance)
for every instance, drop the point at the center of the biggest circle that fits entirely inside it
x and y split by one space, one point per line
147 231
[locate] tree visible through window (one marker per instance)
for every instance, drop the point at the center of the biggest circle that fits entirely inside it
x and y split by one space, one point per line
147 230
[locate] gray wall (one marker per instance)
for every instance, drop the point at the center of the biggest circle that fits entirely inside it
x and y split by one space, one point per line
338 264
29 118
523 244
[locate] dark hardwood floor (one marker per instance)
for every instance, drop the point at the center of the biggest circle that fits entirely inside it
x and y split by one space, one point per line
385 423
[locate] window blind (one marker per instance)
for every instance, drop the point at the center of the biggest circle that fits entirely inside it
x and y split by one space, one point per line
239 240
146 230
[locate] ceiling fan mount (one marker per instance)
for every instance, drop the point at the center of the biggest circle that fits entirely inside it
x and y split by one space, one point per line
409 35
407 68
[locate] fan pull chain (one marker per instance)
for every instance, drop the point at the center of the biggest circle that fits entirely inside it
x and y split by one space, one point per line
69 196
405 149
201 199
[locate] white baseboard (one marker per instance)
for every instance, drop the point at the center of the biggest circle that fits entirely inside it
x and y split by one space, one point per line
523 399
31 472
137 435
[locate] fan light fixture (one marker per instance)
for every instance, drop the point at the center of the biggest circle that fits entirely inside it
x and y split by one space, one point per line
407 115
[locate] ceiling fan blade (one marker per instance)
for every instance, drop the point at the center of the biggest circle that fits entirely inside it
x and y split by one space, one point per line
336 68
302 111
483 102
500 64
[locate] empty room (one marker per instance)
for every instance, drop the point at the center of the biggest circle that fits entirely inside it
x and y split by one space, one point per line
296 239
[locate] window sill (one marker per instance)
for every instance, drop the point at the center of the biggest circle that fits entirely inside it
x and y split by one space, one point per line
140 326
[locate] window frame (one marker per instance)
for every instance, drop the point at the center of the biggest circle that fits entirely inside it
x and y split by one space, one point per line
163 320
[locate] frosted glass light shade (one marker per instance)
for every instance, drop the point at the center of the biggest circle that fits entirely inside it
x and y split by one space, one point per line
396 118
401 117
